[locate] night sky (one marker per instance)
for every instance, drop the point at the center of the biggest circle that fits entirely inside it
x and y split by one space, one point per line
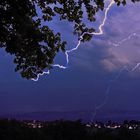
83 85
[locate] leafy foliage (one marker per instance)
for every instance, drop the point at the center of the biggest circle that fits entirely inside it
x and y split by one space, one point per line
33 45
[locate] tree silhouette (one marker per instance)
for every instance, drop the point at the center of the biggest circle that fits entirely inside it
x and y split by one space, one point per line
33 45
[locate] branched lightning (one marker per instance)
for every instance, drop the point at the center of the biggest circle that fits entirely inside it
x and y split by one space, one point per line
48 72
125 68
119 43
107 92
135 67
111 82
40 74
92 33
79 42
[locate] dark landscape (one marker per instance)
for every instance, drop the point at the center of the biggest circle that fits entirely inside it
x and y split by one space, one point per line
68 130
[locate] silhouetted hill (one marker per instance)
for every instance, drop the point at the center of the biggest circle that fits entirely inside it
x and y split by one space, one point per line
68 130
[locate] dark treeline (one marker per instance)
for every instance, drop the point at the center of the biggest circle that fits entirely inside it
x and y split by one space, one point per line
65 130
35 45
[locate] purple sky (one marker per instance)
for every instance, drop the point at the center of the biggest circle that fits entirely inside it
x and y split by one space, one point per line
83 85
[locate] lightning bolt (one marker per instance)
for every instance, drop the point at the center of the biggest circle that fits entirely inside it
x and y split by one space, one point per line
100 32
135 67
79 42
125 68
92 33
40 74
48 72
119 43
107 92
111 83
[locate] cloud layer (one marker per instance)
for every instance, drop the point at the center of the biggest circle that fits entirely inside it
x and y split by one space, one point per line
119 45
